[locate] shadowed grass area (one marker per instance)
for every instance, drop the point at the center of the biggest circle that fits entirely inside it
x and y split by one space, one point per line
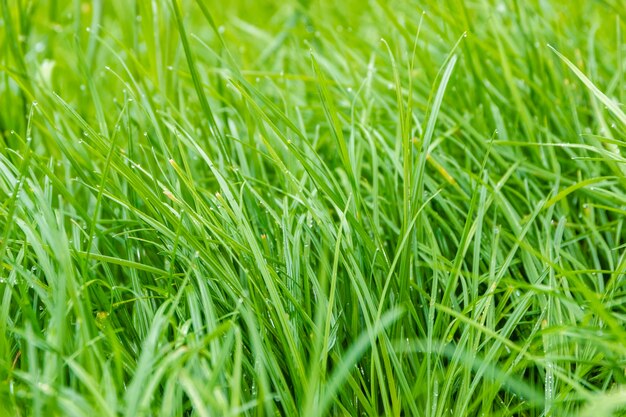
398 208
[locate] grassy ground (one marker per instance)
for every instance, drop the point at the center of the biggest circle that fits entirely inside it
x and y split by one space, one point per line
316 208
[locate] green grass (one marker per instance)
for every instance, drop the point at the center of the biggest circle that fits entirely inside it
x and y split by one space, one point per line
316 208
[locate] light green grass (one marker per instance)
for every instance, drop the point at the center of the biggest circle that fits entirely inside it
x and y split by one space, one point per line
316 208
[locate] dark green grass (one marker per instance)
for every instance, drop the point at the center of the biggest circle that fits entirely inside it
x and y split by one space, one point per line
312 208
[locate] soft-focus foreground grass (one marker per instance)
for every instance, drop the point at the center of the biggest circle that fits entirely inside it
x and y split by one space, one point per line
316 208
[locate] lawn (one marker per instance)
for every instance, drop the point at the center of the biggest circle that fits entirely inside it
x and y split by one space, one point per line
312 208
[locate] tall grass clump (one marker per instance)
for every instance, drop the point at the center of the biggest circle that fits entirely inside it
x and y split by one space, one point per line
315 208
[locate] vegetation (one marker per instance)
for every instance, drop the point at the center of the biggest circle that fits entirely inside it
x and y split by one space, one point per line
316 208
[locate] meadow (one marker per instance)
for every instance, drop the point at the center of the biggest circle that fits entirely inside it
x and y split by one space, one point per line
312 208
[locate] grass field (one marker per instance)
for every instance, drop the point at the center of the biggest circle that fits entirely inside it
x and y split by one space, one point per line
312 208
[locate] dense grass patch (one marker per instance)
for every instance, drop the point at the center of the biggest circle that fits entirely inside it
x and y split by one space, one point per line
317 208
